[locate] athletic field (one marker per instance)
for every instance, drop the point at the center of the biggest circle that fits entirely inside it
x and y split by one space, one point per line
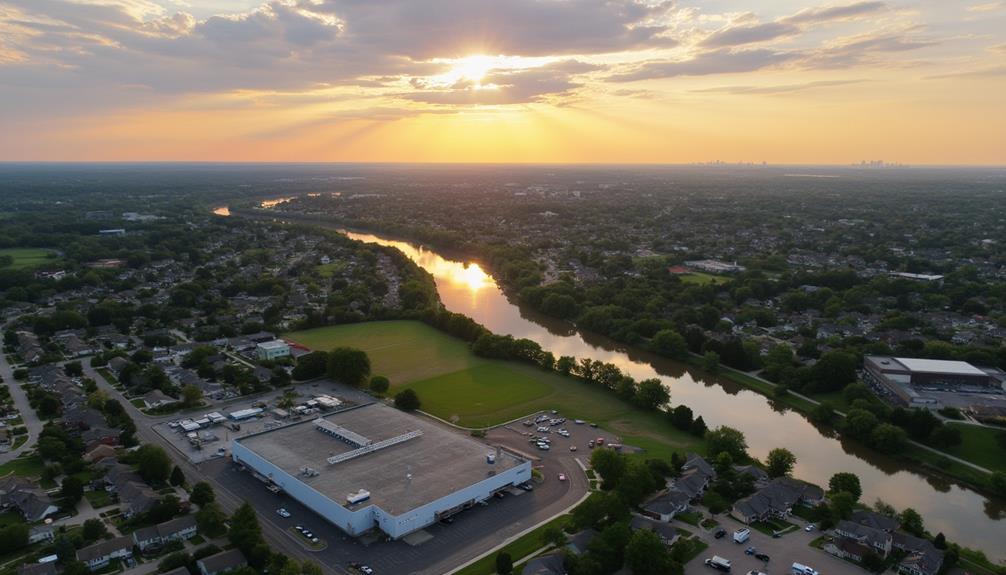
27 257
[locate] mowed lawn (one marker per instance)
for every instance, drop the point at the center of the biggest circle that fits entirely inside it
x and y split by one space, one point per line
402 351
455 385
980 445
28 257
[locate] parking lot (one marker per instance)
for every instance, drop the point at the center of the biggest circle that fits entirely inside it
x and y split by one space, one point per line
438 547
794 547
212 438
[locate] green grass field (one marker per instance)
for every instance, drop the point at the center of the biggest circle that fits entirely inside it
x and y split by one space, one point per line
28 257
980 446
328 270
455 385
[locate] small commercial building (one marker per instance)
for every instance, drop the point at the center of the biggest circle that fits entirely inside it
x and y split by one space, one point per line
271 350
917 382
374 466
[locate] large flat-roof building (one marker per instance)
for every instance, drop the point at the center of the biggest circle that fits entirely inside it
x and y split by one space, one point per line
375 466
915 381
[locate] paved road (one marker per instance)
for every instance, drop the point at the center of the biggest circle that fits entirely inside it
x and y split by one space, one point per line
31 420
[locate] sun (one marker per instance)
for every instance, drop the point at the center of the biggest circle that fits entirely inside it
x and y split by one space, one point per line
475 68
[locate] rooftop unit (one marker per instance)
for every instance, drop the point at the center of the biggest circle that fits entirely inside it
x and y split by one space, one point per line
374 447
341 433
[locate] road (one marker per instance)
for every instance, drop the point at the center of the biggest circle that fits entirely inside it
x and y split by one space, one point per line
28 416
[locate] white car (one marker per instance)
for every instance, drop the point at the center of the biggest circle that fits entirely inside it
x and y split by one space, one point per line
810 527
366 570
572 448
282 512
562 477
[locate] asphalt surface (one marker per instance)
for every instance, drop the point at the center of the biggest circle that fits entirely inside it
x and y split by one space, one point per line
793 547
472 533
28 416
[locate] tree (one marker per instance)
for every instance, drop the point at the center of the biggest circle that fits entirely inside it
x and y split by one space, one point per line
888 438
153 464
911 522
13 537
998 482
245 532
940 541
554 536
565 364
407 400
72 490
646 554
652 394
669 343
73 369
842 505
210 519
681 417
177 477
349 365
76 568
191 395
636 483
311 365
833 371
504 564
698 428
780 462
711 361
202 493
609 465
94 529
872 562
379 384
823 412
859 423
847 482
729 440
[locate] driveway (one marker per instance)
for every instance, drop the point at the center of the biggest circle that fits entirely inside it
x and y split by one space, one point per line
794 547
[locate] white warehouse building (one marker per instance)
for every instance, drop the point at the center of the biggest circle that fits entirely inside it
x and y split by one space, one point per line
375 466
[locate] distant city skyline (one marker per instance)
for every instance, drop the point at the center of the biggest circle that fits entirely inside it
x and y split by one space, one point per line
579 81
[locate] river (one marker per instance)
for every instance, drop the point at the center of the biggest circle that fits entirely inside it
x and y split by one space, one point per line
961 514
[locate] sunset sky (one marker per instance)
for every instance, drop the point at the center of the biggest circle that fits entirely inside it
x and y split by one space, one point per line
782 81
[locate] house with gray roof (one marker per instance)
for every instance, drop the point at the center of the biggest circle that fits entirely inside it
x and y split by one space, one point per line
665 506
100 554
777 499
922 557
222 562
668 534
876 539
177 529
550 564
875 520
26 498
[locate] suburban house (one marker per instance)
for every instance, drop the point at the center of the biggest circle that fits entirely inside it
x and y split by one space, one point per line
846 549
877 540
668 534
550 564
40 533
922 558
665 506
100 554
99 453
177 571
578 542
777 499
26 498
222 562
176 529
134 495
875 520
157 398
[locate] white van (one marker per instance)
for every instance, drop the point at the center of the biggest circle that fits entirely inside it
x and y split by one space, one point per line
719 563
742 535
799 569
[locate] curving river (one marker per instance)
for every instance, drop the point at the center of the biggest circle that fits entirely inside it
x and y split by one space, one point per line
961 514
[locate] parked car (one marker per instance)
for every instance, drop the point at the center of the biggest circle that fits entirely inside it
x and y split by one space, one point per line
562 477
572 448
810 527
762 557
720 533
282 512
750 551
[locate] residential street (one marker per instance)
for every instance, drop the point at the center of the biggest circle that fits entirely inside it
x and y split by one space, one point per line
31 421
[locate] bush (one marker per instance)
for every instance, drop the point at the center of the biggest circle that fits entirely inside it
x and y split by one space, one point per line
407 400
379 384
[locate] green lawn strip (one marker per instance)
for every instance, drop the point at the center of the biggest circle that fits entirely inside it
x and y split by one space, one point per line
10 518
687 549
107 375
30 466
980 446
29 257
98 499
328 270
942 465
518 549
